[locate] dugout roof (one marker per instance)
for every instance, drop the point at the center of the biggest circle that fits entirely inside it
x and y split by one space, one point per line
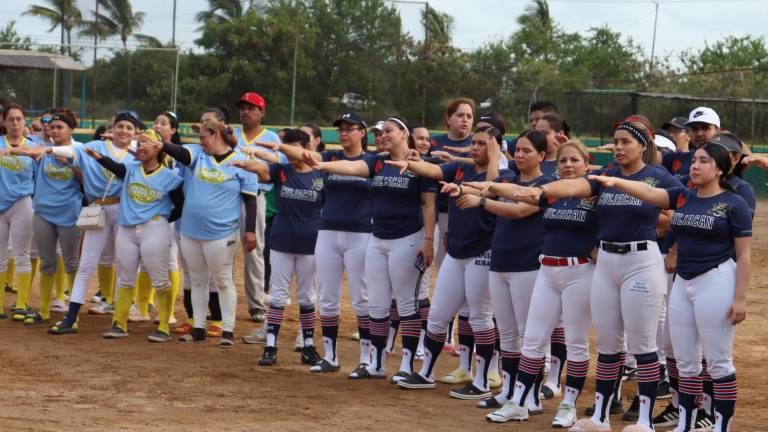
16 59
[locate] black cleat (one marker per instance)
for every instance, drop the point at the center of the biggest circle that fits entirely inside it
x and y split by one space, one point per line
310 356
269 357
633 412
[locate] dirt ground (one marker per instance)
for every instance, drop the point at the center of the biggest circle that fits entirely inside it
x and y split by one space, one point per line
85 383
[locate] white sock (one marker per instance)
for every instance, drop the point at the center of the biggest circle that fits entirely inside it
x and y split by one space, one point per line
330 355
405 361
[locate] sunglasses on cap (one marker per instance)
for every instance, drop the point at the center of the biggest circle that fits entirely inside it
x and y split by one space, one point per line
45 120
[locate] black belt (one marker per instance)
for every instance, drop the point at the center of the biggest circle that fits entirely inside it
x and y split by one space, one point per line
623 248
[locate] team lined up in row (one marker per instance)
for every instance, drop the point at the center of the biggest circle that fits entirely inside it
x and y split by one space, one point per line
519 246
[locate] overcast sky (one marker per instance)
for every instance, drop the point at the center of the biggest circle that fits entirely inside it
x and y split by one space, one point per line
682 24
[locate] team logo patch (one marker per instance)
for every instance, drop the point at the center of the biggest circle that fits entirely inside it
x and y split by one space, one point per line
720 210
551 200
11 163
107 174
283 176
142 193
650 181
676 165
58 173
433 143
681 200
334 158
587 204
379 165
317 183
459 174
210 175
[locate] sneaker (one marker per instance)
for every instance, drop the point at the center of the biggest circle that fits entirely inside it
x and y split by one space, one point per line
9 288
704 422
102 308
456 377
663 391
362 372
115 333
324 366
19 315
669 417
509 412
257 336
58 306
185 328
399 376
494 380
310 356
97 298
298 345
269 357
549 393
34 318
159 337
2 314
469 392
416 382
565 417
587 425
630 373
135 316
258 315
197 335
356 336
213 331
535 409
633 412
616 408
227 340
60 328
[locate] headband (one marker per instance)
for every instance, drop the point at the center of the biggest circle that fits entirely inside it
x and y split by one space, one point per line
400 122
130 118
152 135
634 132
63 118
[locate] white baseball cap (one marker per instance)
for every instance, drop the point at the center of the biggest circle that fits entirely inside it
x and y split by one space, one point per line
663 142
379 125
704 115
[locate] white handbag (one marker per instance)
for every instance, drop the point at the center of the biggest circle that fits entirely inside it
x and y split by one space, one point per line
93 216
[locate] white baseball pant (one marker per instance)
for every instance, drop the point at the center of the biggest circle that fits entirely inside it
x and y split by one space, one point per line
335 252
284 266
391 273
95 251
511 295
16 226
148 243
253 261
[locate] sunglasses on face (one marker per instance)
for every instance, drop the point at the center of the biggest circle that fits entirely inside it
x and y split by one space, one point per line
45 120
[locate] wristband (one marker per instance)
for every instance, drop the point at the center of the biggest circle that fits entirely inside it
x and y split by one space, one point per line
482 202
428 238
543 190
461 190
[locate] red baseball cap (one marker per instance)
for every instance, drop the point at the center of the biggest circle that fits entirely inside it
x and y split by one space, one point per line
254 99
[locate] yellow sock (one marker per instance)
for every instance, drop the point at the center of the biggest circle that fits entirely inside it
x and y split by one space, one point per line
23 282
46 290
107 283
10 272
123 306
164 309
35 266
175 278
60 280
2 292
144 293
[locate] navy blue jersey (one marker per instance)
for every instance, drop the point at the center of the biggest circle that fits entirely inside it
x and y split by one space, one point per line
744 190
396 199
624 218
299 197
517 243
469 231
570 226
678 163
438 143
549 168
705 228
348 198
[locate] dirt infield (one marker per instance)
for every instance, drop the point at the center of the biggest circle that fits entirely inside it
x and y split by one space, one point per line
86 383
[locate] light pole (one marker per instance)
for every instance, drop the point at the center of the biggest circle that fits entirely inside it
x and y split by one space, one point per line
653 43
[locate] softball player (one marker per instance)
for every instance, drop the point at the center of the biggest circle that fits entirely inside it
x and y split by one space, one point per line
561 289
144 233
17 183
703 123
463 278
292 238
103 188
629 278
57 205
214 192
345 227
708 297
557 131
401 246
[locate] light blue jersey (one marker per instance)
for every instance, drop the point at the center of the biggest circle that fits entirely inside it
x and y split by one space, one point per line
144 195
212 195
265 136
57 192
17 175
95 176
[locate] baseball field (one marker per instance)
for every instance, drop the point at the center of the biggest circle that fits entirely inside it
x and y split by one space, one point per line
85 383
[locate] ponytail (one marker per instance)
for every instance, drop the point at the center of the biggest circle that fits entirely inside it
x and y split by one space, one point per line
228 135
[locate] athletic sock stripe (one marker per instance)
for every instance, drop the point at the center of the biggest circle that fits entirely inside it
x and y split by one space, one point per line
379 328
424 313
308 320
275 316
530 365
672 368
363 321
608 371
411 327
510 355
485 337
329 321
464 327
648 372
692 386
558 336
436 337
726 390
393 315
577 369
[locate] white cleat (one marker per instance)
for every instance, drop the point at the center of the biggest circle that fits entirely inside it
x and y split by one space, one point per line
587 425
565 417
509 412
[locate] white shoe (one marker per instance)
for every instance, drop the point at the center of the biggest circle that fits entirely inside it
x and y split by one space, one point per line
58 306
636 428
96 298
257 336
534 409
565 417
299 344
102 308
135 317
587 425
509 412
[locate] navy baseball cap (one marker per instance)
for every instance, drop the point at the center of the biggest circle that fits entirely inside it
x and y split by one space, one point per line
730 144
351 118
676 122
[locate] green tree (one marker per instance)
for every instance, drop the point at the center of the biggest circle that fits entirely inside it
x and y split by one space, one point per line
221 11
60 13
10 38
118 19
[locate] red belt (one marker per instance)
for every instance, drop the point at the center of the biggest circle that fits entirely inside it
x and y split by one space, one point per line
563 262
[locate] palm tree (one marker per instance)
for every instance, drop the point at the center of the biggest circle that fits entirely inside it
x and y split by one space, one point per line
536 15
221 11
61 13
117 20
